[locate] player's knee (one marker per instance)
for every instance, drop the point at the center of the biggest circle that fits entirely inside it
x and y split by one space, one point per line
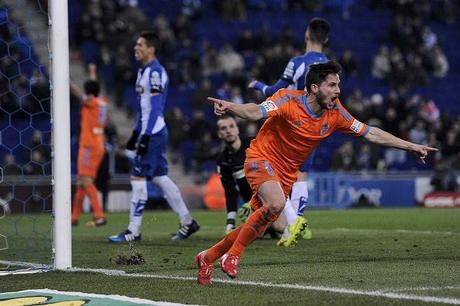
276 207
84 181
139 190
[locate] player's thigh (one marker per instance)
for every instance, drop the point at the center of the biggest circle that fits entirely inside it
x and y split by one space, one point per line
154 162
272 195
89 159
260 173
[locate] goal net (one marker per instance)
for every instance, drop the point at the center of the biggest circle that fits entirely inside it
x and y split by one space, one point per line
26 137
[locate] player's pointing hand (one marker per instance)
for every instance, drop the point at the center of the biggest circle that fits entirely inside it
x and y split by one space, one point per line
422 151
220 106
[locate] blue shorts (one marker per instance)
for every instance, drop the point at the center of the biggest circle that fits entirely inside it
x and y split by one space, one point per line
307 164
154 162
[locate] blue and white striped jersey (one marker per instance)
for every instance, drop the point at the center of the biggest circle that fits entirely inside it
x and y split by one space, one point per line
297 68
152 89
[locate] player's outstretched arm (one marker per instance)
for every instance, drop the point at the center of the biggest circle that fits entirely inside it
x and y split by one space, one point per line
383 138
249 111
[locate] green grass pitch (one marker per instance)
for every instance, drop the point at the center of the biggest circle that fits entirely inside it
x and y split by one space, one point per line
375 252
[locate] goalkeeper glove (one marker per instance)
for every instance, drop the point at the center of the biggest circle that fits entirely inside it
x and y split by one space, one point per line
143 145
131 144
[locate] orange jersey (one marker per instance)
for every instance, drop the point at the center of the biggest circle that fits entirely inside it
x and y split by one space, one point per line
292 131
93 116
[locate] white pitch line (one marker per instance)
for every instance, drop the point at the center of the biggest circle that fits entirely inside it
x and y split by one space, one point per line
425 288
375 293
403 231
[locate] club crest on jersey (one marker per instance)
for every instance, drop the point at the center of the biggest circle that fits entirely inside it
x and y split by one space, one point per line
253 166
269 168
269 105
324 129
297 123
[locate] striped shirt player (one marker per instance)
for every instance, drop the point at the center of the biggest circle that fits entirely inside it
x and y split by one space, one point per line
149 139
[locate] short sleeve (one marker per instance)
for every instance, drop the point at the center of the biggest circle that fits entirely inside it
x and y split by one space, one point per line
288 74
155 80
275 105
347 124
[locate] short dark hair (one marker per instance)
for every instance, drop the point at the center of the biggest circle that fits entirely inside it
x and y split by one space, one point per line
319 30
225 116
92 87
151 39
318 73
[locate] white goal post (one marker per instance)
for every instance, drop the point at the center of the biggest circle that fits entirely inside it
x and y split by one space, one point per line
60 104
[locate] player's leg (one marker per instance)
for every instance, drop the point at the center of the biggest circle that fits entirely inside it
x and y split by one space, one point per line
272 196
88 172
78 202
297 223
231 216
188 225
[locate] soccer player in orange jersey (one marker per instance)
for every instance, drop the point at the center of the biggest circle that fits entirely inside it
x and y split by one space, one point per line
297 121
91 149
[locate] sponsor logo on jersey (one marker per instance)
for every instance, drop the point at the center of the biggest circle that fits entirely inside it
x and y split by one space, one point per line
324 129
356 126
253 166
269 168
139 89
269 105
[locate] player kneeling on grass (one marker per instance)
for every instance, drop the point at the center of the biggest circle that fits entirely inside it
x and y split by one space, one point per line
297 121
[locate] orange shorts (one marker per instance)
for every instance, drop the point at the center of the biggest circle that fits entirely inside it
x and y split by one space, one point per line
89 159
258 172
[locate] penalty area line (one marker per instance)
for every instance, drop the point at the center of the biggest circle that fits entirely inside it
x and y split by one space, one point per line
374 293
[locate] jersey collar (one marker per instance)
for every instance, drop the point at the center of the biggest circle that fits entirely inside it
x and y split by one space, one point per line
308 109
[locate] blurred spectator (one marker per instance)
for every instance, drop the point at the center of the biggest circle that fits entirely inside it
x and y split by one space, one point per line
366 159
344 159
209 61
10 167
230 61
428 110
451 145
440 63
348 62
247 42
232 10
178 127
444 179
381 63
199 100
418 133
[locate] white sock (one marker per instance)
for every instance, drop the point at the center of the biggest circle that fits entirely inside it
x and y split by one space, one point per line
299 189
231 215
138 199
173 197
289 212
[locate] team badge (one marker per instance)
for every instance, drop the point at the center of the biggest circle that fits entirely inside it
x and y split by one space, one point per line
324 129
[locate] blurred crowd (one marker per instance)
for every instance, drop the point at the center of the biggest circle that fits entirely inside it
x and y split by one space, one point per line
205 63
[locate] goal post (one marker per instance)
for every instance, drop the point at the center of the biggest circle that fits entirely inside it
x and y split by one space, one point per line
60 105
